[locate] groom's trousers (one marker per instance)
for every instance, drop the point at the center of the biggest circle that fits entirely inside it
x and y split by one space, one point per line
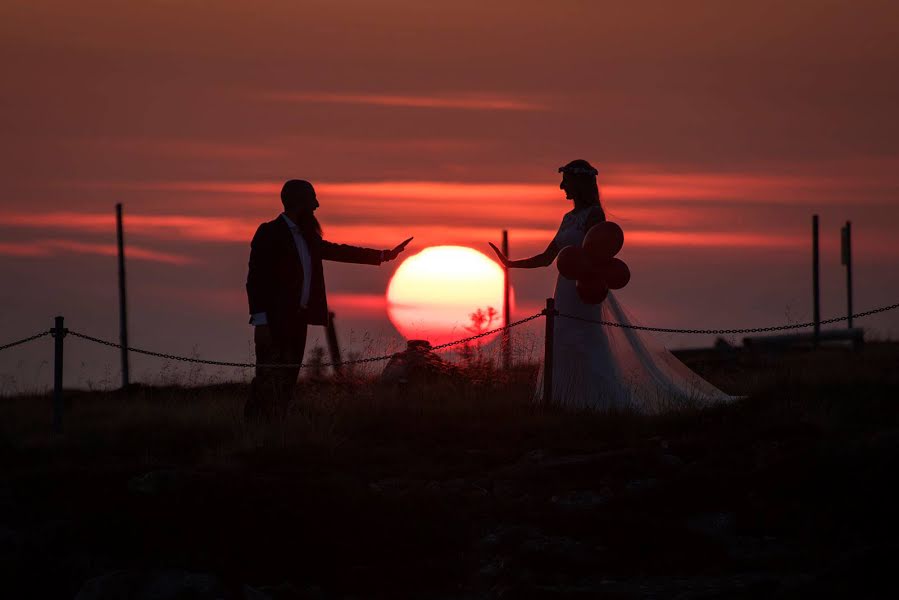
273 388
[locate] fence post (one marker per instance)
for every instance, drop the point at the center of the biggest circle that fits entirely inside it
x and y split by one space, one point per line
550 313
816 289
123 304
847 261
333 346
59 332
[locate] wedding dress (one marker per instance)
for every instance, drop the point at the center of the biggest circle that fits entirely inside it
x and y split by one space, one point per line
609 368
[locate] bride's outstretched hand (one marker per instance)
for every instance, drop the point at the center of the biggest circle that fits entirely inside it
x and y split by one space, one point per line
499 254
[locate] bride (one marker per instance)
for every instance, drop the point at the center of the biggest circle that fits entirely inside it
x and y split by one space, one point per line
605 367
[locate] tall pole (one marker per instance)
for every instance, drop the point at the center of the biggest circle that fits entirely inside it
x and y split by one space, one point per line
59 332
123 312
550 314
507 308
847 260
816 290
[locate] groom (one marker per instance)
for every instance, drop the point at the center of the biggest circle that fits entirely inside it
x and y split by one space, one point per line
286 292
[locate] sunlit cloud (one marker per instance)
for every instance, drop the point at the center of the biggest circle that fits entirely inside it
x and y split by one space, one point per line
713 239
227 301
176 148
52 247
457 101
23 249
209 187
631 187
358 304
385 235
671 210
165 227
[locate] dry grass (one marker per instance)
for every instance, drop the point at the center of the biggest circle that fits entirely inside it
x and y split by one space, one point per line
832 389
382 491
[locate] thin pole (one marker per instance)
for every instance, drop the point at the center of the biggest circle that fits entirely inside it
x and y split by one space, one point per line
507 308
550 313
123 311
816 290
333 347
847 260
59 332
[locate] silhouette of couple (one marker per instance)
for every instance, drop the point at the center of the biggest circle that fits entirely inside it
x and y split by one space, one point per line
595 367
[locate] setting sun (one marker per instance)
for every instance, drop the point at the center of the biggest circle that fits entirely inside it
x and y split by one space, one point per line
433 293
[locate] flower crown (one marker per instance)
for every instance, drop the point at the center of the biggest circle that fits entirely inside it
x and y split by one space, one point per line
579 170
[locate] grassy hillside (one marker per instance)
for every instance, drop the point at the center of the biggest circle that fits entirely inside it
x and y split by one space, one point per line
463 489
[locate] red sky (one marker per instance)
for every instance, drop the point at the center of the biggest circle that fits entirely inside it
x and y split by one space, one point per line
718 130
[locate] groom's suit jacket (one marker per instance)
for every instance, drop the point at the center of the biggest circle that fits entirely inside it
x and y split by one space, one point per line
275 277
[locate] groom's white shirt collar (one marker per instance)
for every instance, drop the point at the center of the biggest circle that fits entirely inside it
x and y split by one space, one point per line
287 220
305 259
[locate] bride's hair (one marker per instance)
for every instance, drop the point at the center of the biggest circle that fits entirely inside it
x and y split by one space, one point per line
582 175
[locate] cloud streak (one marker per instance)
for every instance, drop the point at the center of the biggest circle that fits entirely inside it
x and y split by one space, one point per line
453 101
56 247
162 227
234 230
636 187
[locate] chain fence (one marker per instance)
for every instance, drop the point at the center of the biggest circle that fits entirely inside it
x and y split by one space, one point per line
26 340
465 340
357 361
731 331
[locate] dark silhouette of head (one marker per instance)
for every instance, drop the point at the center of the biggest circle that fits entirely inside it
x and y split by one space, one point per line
579 183
300 202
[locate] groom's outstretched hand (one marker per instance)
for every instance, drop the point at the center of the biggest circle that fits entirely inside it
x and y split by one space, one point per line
392 254
499 254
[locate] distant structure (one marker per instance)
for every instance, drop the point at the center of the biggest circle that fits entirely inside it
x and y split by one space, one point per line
417 363
851 336
855 337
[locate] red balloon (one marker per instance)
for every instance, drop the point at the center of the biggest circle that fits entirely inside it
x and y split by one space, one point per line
592 291
571 262
615 273
604 240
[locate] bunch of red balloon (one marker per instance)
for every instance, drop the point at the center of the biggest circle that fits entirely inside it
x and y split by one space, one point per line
594 265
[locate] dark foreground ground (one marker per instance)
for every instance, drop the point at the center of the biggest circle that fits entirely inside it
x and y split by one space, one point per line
462 490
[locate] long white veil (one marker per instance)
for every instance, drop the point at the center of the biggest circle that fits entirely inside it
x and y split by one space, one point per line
617 368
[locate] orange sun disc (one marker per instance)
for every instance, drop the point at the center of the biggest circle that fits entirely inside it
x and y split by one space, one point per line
433 294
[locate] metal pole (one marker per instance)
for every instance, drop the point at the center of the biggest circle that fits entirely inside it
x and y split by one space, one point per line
123 312
507 309
59 332
333 347
847 260
550 313
815 281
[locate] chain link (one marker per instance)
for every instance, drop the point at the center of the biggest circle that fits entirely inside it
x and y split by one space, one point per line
486 333
291 365
454 343
730 331
26 340
160 354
